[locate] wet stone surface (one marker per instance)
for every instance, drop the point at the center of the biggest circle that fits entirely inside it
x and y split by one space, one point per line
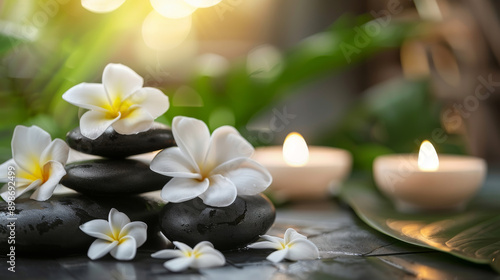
105 177
349 249
113 145
228 227
51 228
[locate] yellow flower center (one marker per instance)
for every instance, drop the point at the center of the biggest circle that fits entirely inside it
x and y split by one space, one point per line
36 172
118 235
189 254
119 107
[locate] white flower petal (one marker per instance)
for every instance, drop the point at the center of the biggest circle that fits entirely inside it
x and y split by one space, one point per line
271 238
4 170
45 191
20 189
291 234
117 220
230 165
23 189
227 144
265 245
137 120
182 247
192 137
203 246
205 260
152 100
100 248
178 264
206 248
136 230
94 123
58 151
172 162
24 178
102 6
28 144
278 256
126 250
220 193
167 254
183 189
88 96
120 81
97 228
249 178
302 249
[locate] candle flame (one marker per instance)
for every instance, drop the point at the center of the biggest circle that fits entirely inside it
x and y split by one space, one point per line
295 151
427 157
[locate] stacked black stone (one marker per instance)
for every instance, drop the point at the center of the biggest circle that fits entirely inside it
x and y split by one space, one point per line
191 221
115 175
52 227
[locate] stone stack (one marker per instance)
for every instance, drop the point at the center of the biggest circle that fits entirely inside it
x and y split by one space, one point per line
228 228
52 227
115 175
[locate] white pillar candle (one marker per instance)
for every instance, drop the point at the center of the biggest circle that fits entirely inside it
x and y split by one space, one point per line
429 182
301 172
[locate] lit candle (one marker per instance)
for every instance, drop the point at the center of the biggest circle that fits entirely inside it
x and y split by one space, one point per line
302 172
427 182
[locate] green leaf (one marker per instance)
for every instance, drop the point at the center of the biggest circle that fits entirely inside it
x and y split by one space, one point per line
8 42
473 234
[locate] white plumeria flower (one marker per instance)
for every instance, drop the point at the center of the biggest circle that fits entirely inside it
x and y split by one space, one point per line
119 236
203 255
294 247
120 101
216 168
38 162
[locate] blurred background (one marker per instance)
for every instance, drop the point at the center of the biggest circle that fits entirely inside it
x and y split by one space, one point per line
370 76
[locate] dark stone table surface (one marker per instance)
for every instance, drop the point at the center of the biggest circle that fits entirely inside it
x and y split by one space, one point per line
349 249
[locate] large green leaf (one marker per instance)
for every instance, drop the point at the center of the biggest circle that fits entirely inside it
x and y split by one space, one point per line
473 234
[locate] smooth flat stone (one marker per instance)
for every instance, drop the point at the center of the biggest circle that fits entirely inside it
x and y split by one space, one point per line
113 145
52 227
229 227
104 177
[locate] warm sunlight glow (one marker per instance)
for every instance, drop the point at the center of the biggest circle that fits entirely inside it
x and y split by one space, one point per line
203 3
161 33
173 8
99 6
427 157
295 151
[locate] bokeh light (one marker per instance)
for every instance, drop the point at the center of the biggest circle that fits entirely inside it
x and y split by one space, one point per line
173 8
212 65
203 3
161 33
264 62
102 6
186 97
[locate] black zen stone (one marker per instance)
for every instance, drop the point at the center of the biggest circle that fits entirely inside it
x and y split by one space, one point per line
104 177
113 145
227 228
51 228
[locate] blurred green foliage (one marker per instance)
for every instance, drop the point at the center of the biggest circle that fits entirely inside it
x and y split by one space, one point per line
75 45
393 117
